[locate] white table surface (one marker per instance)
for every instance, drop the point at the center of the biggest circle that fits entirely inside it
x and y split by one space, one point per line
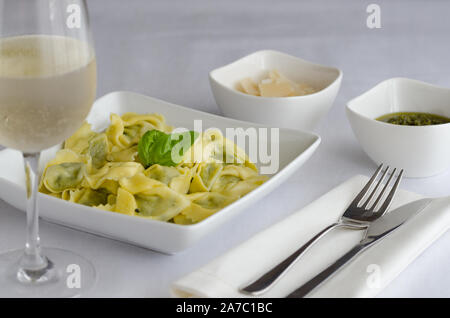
165 49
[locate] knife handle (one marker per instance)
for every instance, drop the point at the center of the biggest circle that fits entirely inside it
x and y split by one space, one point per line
266 281
326 273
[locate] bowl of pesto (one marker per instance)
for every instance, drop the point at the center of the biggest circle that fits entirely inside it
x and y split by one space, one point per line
404 123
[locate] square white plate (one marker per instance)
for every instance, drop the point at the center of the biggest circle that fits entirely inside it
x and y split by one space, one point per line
295 148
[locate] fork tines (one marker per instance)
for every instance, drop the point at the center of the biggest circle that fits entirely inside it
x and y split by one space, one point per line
381 204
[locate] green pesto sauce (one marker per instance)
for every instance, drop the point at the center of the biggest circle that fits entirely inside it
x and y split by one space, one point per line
414 119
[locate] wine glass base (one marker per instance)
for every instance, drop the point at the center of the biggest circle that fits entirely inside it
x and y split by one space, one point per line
68 275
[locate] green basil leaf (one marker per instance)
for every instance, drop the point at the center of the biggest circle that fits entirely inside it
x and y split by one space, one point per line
157 147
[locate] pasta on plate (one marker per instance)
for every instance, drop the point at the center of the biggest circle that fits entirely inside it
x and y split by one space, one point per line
106 170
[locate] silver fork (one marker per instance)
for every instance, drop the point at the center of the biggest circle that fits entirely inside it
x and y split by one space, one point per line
356 216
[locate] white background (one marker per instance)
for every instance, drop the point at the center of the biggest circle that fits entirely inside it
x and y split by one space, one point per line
165 49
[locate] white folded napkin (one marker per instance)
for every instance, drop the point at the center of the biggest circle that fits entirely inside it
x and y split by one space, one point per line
365 276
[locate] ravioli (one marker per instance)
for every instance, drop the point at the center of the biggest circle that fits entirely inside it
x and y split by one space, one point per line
98 149
103 170
60 177
161 203
205 177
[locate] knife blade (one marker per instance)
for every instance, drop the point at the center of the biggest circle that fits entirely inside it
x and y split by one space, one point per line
376 230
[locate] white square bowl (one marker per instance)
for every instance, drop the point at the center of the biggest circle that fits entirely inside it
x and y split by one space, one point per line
422 151
296 112
296 147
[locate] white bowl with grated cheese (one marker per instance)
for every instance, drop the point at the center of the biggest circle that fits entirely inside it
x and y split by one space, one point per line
297 112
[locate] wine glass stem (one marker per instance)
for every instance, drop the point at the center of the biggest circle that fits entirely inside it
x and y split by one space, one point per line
32 259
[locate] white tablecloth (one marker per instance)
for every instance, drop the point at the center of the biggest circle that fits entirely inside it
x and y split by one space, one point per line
165 49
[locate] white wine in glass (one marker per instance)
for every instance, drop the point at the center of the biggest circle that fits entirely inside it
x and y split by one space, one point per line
47 87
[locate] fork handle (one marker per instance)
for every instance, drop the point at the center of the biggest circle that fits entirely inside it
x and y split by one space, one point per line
266 281
326 273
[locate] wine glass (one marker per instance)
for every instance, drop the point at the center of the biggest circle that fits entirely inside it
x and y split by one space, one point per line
47 87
